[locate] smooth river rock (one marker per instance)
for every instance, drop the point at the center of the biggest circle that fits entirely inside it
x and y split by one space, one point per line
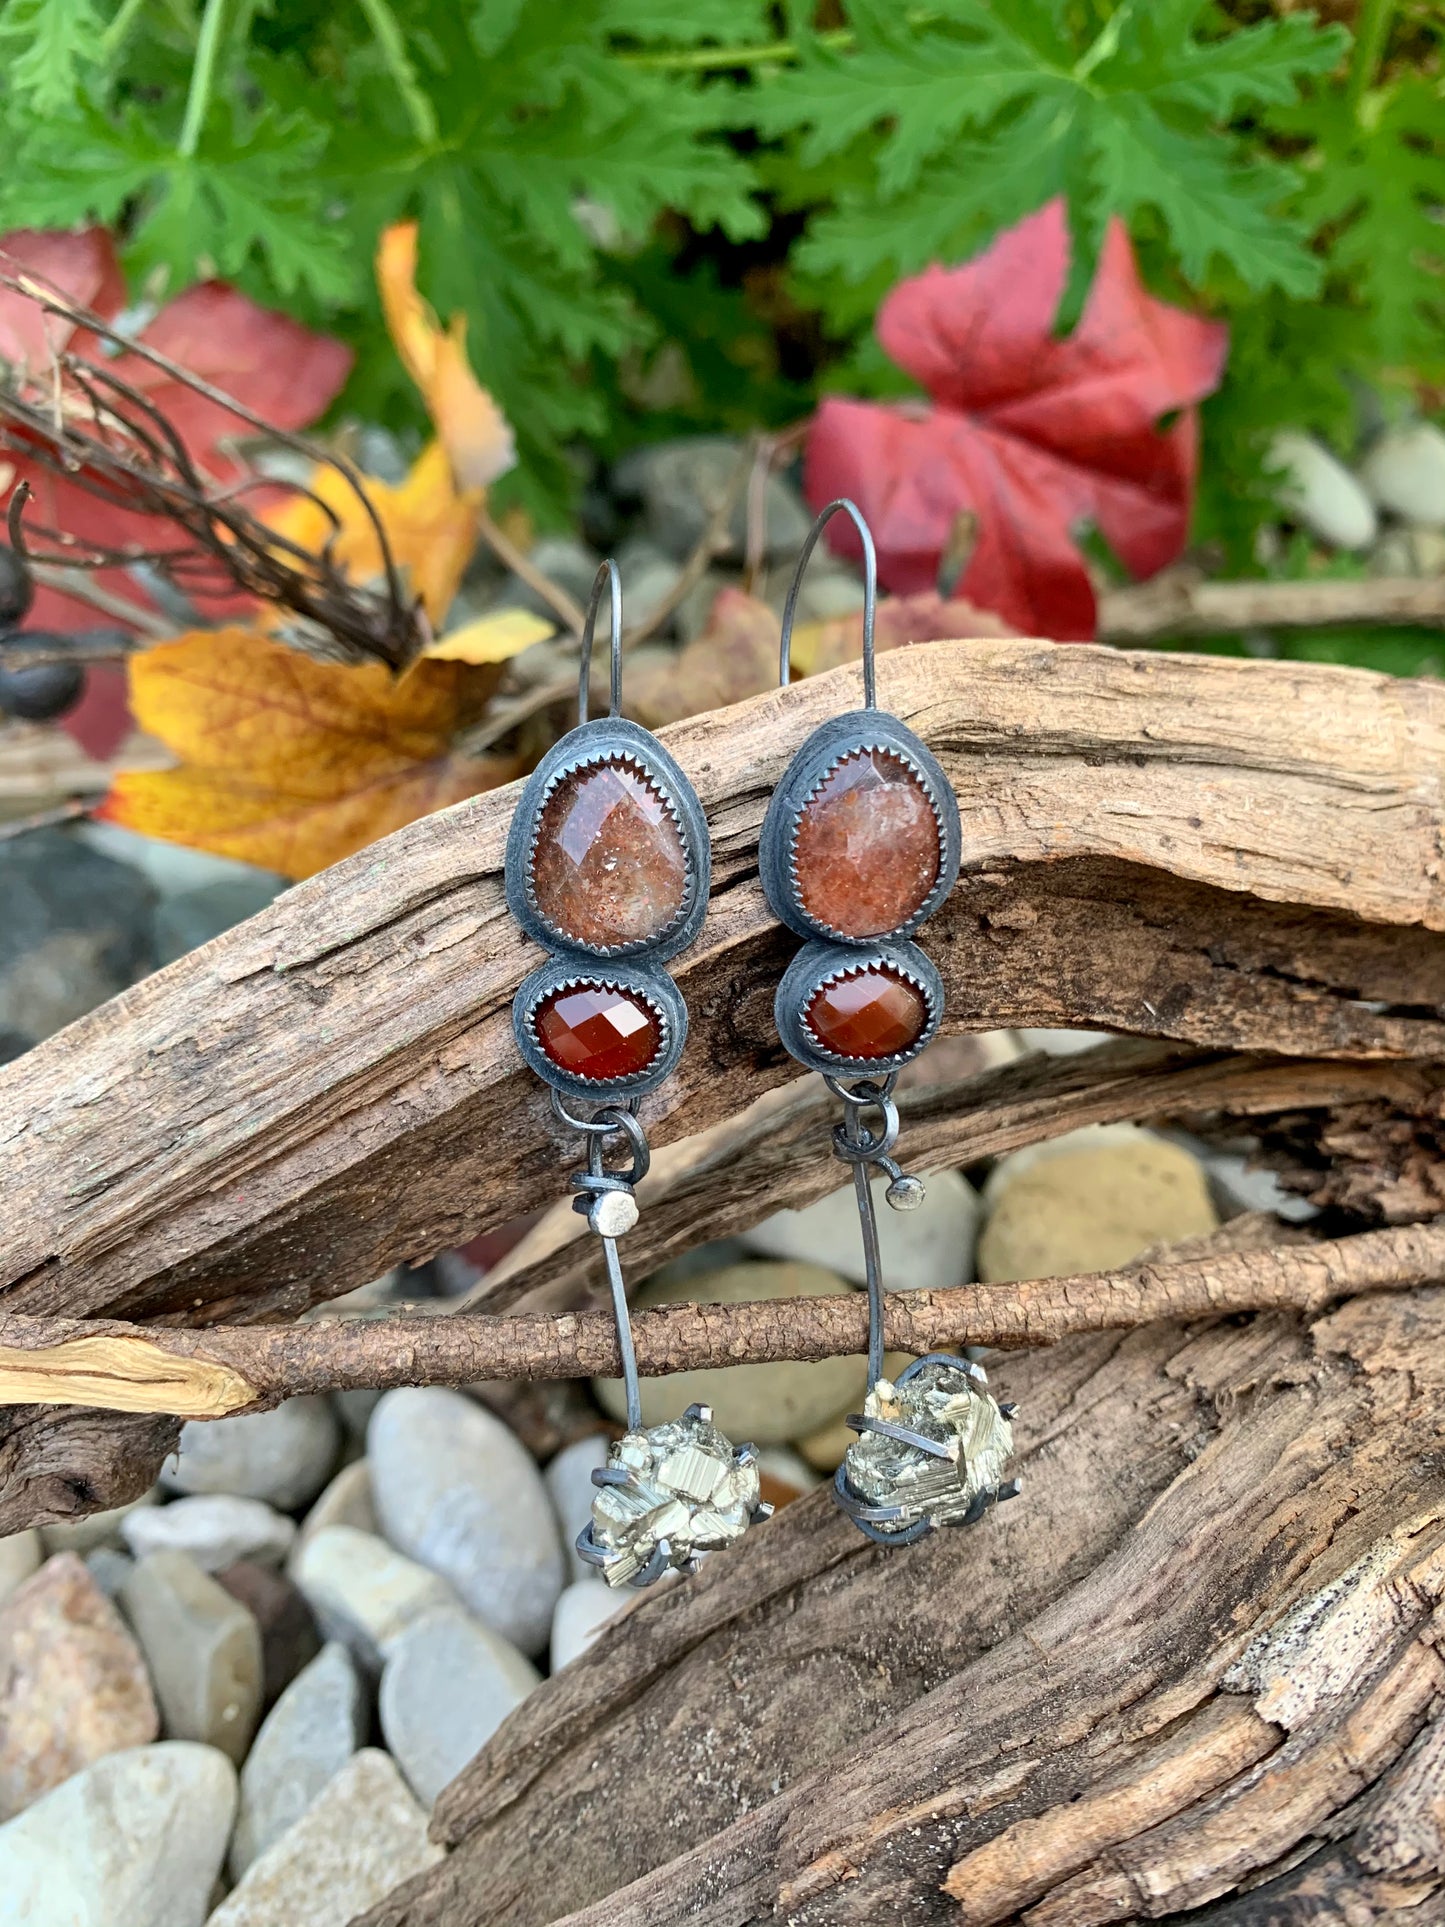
1320 493
304 1741
927 1249
364 1592
290 1638
447 1687
134 1841
283 1457
1405 472
361 1837
582 1611
215 1529
203 1649
569 1481
20 1556
764 1404
456 1490
346 1501
1090 1201
73 1686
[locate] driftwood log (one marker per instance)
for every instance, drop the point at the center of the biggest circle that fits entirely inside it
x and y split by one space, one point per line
1199 1668
1240 857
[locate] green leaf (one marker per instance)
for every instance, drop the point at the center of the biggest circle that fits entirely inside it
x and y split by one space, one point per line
57 38
994 106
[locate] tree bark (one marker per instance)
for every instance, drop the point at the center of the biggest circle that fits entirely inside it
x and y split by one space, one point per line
230 1370
1233 855
1198 1665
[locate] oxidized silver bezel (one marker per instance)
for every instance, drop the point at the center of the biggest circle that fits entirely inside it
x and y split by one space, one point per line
610 739
829 746
818 964
656 989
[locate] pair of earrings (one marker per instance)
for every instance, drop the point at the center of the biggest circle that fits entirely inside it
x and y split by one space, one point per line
608 866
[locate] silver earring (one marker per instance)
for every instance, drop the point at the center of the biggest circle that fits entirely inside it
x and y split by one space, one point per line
608 864
860 845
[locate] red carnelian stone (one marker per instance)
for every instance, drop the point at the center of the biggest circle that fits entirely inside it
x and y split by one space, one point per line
866 851
597 1031
608 865
873 1012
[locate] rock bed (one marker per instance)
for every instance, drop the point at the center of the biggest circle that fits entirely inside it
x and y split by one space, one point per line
235 1702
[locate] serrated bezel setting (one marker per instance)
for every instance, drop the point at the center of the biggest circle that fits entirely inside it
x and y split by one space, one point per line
825 751
652 987
820 964
610 740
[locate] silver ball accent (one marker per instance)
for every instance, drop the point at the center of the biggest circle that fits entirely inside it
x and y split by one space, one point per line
612 1213
906 1193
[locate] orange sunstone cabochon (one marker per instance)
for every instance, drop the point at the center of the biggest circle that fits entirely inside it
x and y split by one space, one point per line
869 1012
866 849
608 862
597 1031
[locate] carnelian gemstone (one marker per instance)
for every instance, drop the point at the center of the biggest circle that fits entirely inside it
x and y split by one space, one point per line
866 850
597 1031
872 1012
608 864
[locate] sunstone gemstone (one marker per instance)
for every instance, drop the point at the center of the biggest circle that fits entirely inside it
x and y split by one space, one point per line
598 1031
866 850
608 863
872 1012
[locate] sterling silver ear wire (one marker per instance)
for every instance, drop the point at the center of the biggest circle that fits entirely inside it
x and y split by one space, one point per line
608 864
860 845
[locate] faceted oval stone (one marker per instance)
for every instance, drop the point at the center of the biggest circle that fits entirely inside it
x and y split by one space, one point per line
866 849
608 863
598 1031
872 1012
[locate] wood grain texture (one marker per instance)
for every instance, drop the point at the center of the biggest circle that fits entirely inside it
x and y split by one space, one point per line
1198 1665
778 1152
1233 855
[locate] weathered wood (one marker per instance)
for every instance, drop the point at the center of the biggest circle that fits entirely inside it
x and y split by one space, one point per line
1234 855
1180 602
1200 1661
778 1152
231 1369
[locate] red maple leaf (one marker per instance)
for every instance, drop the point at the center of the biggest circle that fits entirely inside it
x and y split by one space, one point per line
283 372
1032 433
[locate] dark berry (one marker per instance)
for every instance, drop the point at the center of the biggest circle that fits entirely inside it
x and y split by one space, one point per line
17 591
43 691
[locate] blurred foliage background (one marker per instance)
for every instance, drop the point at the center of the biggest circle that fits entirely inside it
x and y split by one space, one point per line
668 216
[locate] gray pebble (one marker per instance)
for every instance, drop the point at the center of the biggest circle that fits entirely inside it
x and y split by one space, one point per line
20 1555
456 1490
346 1501
364 1592
582 1611
109 1568
136 1838
203 1649
680 484
569 1480
930 1248
361 1837
304 1741
284 1456
192 917
214 1529
448 1685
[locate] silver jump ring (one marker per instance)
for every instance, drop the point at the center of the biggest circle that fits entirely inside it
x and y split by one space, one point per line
603 1123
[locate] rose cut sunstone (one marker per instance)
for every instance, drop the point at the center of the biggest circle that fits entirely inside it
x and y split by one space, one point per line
866 851
608 863
871 1012
598 1031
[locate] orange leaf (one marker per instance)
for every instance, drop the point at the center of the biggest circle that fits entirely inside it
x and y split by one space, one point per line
290 763
472 428
432 530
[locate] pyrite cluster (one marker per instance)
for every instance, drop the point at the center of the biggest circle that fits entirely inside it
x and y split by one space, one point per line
667 1494
944 1402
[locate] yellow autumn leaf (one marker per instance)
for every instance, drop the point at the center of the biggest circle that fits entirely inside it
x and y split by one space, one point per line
473 430
494 638
291 763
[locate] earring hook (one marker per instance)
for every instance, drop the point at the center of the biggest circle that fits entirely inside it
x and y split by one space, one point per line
870 595
606 573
